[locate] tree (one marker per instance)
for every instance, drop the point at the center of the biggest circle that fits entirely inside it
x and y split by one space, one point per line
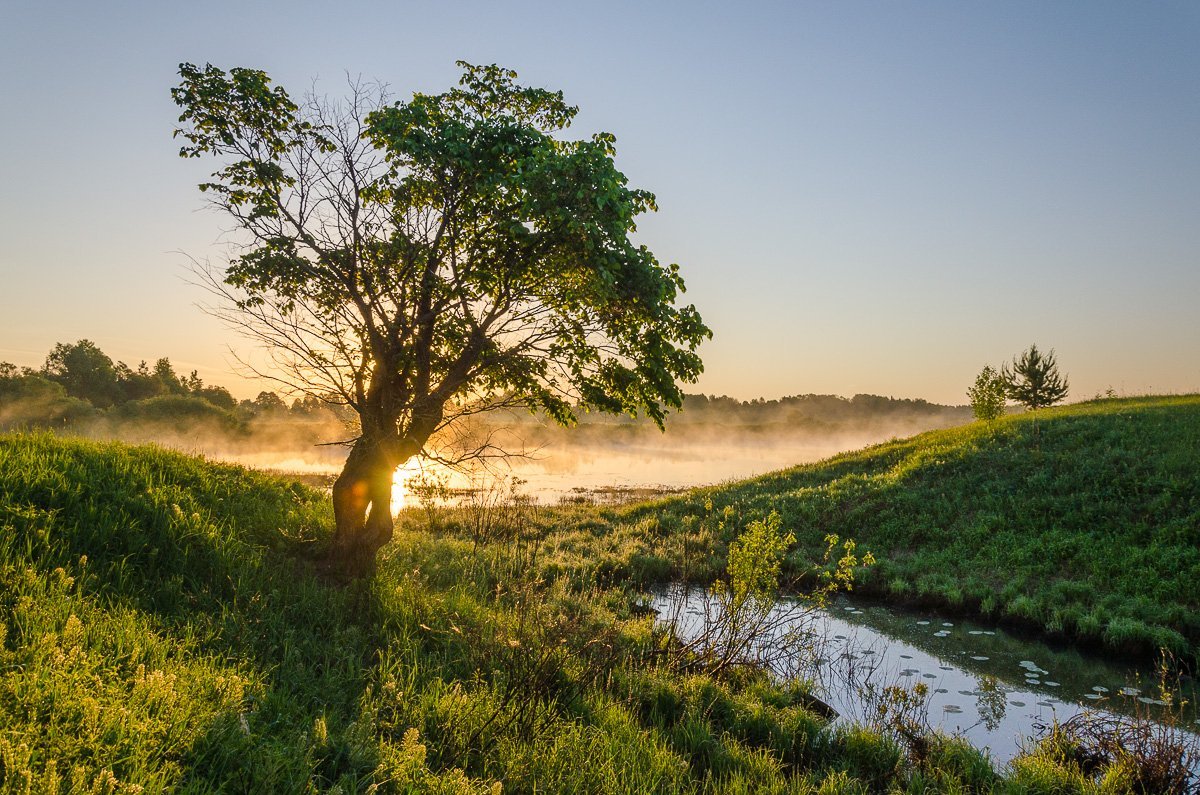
85 371
427 260
166 374
1032 379
29 400
217 395
139 384
269 403
989 394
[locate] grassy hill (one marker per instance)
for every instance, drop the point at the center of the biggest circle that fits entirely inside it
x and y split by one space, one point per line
161 631
1081 521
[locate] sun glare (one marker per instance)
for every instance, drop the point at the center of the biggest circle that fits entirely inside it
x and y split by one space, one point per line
401 492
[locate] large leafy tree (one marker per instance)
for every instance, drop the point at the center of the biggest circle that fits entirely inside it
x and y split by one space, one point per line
1033 380
85 371
426 260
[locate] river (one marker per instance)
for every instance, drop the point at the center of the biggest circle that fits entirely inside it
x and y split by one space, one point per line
992 687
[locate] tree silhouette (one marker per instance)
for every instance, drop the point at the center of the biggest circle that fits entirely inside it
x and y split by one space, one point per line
425 261
1033 380
85 371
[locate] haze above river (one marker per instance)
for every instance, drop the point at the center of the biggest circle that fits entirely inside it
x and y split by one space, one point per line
711 441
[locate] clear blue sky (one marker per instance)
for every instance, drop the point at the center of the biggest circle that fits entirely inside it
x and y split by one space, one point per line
863 197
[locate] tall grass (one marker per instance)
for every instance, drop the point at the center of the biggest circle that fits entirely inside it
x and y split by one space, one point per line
160 631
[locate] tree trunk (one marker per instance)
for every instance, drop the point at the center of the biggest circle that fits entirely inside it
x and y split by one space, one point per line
362 507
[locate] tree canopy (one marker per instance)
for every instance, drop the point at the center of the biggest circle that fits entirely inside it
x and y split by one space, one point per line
424 260
85 372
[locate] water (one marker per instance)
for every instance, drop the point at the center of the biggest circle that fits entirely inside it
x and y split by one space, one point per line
562 472
991 687
639 469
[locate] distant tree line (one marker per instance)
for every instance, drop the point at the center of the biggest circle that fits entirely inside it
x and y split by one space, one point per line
79 383
813 409
809 412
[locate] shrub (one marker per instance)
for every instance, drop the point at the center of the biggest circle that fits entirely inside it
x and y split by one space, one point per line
988 394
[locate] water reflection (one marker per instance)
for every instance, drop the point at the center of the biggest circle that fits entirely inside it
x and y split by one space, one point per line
993 688
991 703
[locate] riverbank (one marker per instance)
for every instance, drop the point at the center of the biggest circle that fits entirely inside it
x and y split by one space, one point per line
1080 522
161 630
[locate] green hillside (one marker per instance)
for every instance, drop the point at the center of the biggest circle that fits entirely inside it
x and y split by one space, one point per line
1081 521
162 631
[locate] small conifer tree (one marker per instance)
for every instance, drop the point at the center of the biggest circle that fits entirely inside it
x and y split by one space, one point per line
1033 380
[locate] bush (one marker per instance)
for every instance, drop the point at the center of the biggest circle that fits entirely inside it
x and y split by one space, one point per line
31 401
988 395
179 412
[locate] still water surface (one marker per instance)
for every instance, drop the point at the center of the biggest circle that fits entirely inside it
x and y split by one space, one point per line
990 686
568 472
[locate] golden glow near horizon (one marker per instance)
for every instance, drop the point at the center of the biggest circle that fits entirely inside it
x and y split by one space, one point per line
861 198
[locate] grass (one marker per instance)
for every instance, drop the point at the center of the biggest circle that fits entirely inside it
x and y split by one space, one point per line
160 631
1080 522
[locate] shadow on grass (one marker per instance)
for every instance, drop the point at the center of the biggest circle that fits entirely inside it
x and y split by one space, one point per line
211 556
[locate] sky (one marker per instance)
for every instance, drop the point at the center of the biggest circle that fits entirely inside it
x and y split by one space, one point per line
862 197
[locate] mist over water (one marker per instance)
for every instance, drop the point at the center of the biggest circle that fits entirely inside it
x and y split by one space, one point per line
596 461
668 461
603 458
552 472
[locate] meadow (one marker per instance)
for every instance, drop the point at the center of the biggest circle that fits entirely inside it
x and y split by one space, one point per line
163 628
1080 522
